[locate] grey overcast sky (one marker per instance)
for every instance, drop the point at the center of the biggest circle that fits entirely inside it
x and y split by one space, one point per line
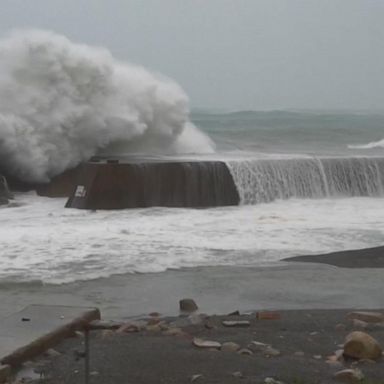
233 54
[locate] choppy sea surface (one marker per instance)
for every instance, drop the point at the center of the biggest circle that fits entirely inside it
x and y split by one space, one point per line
310 183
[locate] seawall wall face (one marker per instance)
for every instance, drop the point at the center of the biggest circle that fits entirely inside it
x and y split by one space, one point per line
145 184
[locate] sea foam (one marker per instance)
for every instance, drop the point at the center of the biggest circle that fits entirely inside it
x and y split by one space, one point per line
373 144
61 103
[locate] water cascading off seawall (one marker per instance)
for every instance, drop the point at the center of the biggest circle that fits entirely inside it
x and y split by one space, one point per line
265 180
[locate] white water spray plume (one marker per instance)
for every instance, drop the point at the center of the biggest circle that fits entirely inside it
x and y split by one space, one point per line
61 103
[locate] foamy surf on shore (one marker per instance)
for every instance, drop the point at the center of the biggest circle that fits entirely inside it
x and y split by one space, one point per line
41 240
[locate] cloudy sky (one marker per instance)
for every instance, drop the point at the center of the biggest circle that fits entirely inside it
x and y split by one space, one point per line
233 54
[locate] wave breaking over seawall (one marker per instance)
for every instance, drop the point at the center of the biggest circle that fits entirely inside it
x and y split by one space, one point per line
61 103
265 180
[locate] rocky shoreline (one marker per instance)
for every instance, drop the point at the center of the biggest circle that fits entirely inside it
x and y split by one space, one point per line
357 258
299 346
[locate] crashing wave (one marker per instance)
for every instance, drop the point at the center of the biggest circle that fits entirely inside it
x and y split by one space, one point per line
61 103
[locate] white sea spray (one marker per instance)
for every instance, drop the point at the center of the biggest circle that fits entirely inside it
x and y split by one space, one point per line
61 103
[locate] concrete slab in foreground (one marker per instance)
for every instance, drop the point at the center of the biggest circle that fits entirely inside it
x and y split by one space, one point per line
26 334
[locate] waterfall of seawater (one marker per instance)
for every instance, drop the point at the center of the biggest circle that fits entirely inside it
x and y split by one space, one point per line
262 180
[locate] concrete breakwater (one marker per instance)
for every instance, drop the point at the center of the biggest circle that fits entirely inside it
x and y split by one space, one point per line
114 185
118 183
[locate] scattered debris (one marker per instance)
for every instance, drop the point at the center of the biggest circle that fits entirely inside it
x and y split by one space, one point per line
268 315
236 323
368 317
153 328
340 327
271 380
230 347
52 353
200 343
259 344
196 377
208 323
245 351
349 375
106 333
128 328
359 324
271 352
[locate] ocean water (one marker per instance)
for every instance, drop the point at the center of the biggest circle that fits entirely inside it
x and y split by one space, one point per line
309 183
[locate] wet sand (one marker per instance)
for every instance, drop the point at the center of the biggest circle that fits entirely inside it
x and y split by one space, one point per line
217 289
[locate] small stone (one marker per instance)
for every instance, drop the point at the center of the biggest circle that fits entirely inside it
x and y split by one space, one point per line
153 328
334 364
93 373
154 314
349 375
208 324
107 333
259 344
52 353
360 345
314 333
369 317
360 324
317 357
299 354
271 352
237 374
153 321
188 305
271 380
79 334
245 351
200 343
163 326
363 361
340 327
128 328
196 377
230 347
236 323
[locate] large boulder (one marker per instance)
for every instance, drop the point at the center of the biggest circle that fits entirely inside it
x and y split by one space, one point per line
5 193
360 345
